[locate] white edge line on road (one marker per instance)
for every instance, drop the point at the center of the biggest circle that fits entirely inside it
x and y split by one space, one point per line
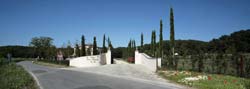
36 79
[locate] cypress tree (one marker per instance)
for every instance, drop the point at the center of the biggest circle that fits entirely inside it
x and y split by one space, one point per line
129 48
83 51
141 42
69 49
134 45
154 42
77 50
95 52
161 40
104 49
152 39
173 61
172 39
110 44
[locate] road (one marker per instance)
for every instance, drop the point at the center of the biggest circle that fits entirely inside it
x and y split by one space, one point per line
56 78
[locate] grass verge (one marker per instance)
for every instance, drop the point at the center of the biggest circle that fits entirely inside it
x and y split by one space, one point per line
206 81
50 64
14 76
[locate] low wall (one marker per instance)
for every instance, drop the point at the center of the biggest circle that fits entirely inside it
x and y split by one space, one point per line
144 59
86 61
90 61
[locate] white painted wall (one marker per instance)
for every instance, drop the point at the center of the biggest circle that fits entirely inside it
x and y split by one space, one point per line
86 61
90 61
108 57
144 59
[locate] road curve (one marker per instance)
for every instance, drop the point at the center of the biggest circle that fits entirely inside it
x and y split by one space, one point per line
55 78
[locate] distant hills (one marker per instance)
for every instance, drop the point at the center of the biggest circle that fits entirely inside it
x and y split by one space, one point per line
236 42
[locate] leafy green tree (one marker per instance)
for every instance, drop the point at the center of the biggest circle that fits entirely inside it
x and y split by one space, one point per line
83 50
118 52
42 45
95 51
18 51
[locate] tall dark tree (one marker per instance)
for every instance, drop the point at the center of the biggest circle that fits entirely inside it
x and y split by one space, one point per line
104 49
161 40
83 50
134 45
110 44
95 51
141 42
154 42
77 51
130 48
70 50
172 38
173 62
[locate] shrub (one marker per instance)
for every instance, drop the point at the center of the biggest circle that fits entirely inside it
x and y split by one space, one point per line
200 63
131 59
61 62
193 61
247 68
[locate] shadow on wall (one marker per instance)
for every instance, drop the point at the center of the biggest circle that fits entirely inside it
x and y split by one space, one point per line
144 59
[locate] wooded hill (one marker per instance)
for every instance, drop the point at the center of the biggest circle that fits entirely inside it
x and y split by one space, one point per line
236 42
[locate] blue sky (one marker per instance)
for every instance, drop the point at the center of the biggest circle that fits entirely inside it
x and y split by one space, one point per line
121 20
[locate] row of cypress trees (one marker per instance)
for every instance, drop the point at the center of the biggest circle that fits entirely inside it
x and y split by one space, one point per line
156 48
82 52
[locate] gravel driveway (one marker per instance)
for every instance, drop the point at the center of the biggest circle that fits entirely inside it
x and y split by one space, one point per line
122 70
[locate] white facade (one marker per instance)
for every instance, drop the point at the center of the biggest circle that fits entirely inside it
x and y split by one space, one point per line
90 61
144 59
87 47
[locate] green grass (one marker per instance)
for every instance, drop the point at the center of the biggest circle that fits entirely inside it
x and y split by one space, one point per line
50 64
14 76
214 81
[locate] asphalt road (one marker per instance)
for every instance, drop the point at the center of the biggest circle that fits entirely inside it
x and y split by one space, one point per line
55 78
